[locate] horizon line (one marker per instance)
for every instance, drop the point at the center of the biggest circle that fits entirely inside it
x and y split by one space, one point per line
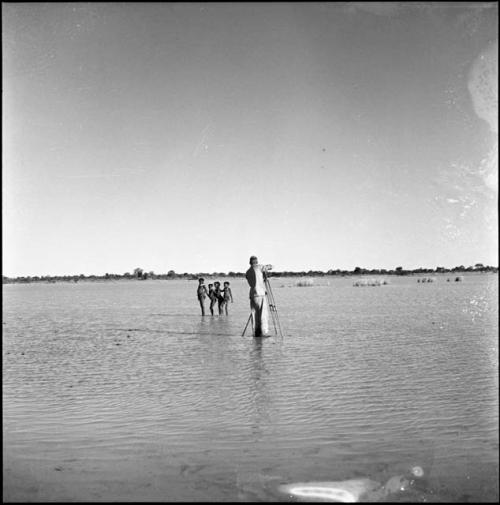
358 270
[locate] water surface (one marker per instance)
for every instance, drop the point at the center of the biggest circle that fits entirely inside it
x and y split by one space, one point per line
122 391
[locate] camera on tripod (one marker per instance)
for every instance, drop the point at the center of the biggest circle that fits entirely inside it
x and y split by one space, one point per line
267 269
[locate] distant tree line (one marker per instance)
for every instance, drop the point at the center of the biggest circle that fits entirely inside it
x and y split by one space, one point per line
141 274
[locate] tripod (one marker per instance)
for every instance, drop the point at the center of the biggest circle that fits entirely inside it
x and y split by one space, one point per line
273 309
271 303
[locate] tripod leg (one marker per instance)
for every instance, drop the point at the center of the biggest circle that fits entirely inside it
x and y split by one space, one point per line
276 321
273 316
246 326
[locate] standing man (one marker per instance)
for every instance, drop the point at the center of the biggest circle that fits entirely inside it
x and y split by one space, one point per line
256 276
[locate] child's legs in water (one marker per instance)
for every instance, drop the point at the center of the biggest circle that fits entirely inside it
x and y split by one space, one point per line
202 305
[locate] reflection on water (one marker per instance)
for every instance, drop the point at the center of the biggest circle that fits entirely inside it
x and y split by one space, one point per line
122 391
258 392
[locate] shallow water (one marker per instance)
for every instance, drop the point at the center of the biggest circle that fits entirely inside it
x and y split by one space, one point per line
121 391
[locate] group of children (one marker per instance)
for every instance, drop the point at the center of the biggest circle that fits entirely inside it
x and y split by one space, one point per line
216 295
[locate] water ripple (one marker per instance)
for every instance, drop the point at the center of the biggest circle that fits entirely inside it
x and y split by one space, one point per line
365 381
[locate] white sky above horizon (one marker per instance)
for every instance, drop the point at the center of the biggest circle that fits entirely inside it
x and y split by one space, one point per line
187 137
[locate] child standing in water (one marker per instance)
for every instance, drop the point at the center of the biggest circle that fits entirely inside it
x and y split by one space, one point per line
227 295
212 297
201 293
220 296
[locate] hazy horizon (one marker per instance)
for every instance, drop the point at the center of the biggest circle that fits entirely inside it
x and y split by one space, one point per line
371 271
187 137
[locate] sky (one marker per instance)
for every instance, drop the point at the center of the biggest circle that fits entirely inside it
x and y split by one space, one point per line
187 137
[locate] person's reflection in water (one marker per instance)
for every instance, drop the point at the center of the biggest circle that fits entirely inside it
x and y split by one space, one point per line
211 327
259 395
203 325
253 482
